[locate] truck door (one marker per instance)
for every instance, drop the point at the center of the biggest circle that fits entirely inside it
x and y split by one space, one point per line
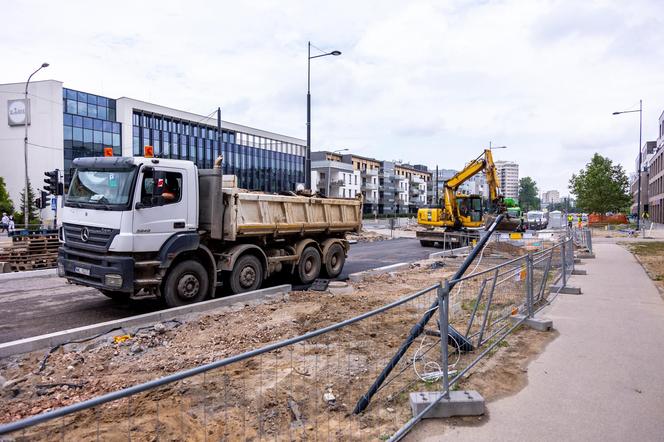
161 208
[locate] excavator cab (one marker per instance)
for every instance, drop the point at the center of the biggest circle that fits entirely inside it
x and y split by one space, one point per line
470 209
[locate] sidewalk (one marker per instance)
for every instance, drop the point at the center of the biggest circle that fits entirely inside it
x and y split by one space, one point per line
601 379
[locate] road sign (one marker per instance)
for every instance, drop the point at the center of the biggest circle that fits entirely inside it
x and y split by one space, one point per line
54 204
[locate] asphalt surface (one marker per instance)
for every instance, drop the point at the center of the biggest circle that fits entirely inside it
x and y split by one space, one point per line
39 305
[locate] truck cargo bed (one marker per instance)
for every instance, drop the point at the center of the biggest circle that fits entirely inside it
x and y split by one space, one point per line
230 213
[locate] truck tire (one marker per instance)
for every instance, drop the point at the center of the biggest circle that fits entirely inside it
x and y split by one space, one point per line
425 243
186 283
334 261
247 274
308 268
118 297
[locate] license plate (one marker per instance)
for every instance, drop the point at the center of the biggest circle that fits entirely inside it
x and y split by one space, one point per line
82 271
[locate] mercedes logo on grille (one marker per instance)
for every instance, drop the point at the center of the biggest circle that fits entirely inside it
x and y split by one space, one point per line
85 234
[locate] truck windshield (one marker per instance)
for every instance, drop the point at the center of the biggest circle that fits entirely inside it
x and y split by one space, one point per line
108 189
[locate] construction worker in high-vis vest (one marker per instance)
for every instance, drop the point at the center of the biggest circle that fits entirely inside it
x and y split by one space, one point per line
570 220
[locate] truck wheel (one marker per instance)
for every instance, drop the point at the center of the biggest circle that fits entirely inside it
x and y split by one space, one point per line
424 243
247 274
308 268
186 283
334 261
116 296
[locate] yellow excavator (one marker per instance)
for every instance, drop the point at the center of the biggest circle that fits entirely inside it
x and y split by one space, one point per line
458 220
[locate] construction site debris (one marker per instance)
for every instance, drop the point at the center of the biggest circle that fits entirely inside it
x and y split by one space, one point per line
367 236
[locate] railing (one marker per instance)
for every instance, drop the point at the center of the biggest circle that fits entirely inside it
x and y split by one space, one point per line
309 385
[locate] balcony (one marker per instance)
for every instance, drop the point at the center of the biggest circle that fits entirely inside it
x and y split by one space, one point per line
337 183
369 172
369 186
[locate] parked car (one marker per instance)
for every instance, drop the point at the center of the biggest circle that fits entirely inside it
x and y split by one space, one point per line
535 220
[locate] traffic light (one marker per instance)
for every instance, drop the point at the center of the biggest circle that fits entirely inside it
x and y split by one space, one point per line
52 182
42 200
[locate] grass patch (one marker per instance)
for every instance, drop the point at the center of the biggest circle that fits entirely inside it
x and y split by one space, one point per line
647 248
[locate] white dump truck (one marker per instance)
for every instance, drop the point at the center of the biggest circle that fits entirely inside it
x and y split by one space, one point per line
168 229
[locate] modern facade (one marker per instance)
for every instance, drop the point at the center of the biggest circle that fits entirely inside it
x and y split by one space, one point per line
647 152
508 173
655 167
386 187
65 124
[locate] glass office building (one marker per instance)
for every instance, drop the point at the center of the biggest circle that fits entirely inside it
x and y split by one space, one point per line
89 126
259 162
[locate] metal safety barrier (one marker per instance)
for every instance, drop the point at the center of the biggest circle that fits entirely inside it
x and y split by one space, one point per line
308 386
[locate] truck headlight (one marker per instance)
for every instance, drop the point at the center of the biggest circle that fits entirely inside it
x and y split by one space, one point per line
61 270
113 280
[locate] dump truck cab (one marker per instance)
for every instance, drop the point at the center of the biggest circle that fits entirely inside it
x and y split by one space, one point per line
118 208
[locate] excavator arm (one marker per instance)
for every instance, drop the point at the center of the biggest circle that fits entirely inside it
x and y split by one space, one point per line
484 162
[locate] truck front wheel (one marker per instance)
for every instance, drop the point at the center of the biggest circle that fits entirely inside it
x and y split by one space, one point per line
247 274
186 283
308 268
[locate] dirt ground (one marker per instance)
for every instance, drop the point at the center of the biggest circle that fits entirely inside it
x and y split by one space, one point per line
303 391
367 236
650 255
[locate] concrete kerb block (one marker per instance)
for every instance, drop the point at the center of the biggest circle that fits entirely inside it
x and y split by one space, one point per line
579 272
450 252
51 340
540 324
458 403
585 255
357 277
43 273
567 290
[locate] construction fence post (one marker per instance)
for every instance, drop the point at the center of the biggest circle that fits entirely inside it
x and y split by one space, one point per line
529 284
590 240
443 323
563 259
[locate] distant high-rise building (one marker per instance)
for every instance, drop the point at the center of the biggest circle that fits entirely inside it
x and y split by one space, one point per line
551 197
508 173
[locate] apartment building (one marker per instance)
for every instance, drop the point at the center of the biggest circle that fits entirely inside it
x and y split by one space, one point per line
333 177
508 173
387 187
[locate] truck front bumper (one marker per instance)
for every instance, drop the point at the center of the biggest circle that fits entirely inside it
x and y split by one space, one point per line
115 273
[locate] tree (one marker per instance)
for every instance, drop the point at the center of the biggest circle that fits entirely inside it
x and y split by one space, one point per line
601 187
33 217
6 204
528 191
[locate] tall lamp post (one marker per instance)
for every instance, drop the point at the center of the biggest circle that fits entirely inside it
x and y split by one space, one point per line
638 192
307 166
329 171
26 208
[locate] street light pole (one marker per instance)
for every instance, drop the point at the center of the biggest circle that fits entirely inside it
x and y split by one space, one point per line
307 166
28 111
638 192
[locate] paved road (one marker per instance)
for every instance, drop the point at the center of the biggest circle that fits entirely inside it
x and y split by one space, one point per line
601 379
30 307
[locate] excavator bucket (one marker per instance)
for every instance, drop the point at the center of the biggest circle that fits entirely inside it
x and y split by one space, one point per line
506 225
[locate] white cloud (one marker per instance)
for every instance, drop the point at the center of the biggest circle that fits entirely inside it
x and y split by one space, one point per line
425 81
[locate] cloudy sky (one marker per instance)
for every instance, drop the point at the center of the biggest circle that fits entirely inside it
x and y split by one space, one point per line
429 82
